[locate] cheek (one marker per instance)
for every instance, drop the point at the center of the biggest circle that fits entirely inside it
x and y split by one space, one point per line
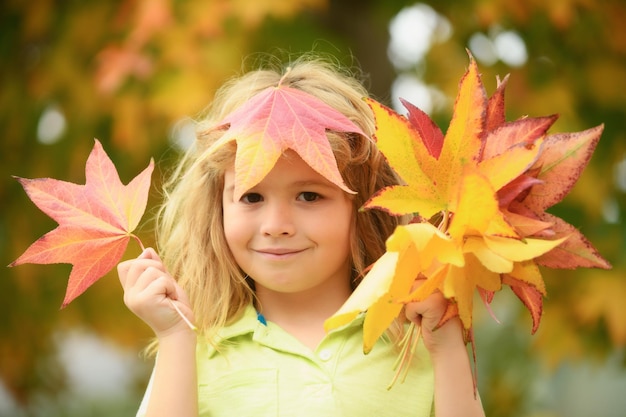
236 230
229 224
345 226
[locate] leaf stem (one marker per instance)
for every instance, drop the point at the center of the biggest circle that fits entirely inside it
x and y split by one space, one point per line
138 241
287 71
408 344
443 226
180 313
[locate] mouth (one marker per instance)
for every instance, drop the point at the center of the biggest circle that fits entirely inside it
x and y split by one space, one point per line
278 253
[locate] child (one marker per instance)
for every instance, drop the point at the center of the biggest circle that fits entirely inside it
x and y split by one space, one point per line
259 275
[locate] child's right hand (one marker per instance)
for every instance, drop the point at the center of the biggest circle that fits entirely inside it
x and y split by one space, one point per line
149 291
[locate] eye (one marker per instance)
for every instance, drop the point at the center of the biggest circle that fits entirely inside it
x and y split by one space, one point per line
251 198
309 196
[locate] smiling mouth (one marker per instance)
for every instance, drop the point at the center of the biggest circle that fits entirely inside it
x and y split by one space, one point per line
279 253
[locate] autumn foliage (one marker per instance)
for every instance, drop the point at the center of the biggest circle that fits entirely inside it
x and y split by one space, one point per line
128 71
478 195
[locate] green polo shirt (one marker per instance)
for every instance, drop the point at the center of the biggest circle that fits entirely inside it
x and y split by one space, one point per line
261 370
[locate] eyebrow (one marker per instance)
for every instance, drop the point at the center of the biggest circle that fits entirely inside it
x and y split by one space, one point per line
303 183
297 184
307 183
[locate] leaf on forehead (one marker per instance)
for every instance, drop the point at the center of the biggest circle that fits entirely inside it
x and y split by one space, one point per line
281 118
95 220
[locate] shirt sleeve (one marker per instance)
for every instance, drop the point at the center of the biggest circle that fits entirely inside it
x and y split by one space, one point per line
143 407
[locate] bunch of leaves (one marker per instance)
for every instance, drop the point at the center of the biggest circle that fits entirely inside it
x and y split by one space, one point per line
479 196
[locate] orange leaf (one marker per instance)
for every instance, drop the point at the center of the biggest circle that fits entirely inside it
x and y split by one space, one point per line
521 250
490 259
495 116
503 168
277 119
477 210
576 251
561 163
523 132
528 226
557 169
463 142
460 284
431 135
530 296
95 220
433 282
516 188
403 147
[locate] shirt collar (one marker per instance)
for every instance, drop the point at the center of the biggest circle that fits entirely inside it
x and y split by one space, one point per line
249 322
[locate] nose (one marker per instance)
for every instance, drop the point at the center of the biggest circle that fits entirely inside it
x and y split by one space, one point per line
278 220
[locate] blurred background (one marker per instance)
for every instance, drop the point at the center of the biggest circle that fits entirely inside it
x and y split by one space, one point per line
133 72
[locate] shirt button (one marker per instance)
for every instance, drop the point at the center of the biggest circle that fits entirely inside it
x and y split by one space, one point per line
325 354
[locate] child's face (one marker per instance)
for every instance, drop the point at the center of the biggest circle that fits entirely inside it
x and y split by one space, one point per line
291 232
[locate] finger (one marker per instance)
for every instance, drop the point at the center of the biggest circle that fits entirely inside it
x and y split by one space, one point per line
136 268
149 253
122 271
124 268
151 274
161 285
429 310
154 292
181 294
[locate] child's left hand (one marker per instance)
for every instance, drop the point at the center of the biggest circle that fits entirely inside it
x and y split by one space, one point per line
455 386
427 314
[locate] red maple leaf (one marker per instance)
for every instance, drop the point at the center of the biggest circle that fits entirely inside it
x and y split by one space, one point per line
95 220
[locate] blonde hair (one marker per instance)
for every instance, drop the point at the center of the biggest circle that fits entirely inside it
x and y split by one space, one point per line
190 228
